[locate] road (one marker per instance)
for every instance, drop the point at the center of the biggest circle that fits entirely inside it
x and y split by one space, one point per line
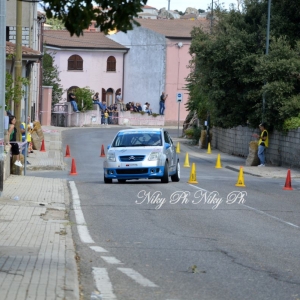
178 241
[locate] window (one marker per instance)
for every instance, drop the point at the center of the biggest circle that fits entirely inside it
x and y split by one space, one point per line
109 96
75 62
7 33
111 64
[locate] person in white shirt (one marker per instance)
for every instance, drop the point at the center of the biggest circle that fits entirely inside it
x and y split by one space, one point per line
147 109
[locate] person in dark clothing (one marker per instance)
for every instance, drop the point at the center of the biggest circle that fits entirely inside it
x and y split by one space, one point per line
12 134
162 101
72 99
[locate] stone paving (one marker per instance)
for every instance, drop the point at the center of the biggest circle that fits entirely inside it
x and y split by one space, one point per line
37 254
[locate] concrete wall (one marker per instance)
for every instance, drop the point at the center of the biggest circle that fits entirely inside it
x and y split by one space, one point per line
11 8
145 66
177 71
136 119
94 74
283 148
152 65
29 23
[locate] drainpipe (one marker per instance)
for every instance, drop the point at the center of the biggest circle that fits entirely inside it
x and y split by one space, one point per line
123 74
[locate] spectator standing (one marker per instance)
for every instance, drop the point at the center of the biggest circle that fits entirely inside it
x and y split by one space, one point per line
263 143
26 138
72 99
162 101
12 134
106 115
103 108
119 101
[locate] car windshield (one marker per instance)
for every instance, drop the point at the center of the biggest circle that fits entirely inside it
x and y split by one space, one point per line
137 139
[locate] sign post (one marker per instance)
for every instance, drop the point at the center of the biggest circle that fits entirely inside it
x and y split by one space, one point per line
179 98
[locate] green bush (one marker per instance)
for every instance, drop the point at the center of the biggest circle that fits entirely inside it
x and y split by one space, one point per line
196 133
84 98
189 132
291 123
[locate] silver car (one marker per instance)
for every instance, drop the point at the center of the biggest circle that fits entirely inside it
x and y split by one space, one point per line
141 153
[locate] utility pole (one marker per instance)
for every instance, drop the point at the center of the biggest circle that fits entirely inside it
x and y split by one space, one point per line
169 4
2 86
212 15
267 52
18 69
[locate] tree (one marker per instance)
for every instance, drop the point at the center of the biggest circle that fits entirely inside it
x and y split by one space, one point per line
51 76
55 24
77 15
231 73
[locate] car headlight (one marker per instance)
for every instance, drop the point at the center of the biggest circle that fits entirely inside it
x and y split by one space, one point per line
153 156
111 156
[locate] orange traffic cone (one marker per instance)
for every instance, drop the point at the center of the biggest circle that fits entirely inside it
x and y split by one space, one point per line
43 147
73 168
288 181
102 152
68 154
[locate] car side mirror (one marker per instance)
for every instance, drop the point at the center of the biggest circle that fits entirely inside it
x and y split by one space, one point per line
167 146
108 146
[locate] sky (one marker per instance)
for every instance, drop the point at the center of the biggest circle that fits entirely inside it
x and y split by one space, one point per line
181 5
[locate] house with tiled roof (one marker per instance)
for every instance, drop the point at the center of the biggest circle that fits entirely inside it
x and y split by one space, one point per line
31 32
91 60
158 61
148 12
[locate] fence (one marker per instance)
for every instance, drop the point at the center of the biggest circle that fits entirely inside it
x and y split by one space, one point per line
283 148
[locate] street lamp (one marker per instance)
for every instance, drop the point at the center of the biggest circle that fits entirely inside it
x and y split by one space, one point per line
267 52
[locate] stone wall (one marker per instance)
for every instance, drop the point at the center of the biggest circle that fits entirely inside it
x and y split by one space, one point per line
25 35
128 118
93 117
283 148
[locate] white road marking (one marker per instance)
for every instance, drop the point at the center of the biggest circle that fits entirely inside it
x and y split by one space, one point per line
98 249
198 188
80 221
259 211
111 260
273 217
103 284
137 277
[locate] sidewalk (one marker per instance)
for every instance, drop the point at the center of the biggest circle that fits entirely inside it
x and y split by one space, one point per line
235 162
37 254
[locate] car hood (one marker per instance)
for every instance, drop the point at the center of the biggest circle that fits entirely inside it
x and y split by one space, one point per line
135 150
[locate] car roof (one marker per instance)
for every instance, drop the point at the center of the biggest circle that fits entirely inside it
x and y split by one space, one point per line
141 130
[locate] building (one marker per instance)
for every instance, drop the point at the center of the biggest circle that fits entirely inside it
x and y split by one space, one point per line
158 61
149 12
91 60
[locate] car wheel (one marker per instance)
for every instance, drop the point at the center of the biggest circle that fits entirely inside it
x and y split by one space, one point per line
107 180
121 180
165 178
176 176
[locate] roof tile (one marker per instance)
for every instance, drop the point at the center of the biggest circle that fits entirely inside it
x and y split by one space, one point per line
26 51
90 40
176 28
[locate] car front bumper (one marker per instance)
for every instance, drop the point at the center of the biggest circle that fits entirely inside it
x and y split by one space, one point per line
137 170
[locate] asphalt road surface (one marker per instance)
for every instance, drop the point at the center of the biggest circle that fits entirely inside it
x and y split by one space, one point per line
144 240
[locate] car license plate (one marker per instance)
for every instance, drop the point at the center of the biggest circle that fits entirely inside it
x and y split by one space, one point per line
129 165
